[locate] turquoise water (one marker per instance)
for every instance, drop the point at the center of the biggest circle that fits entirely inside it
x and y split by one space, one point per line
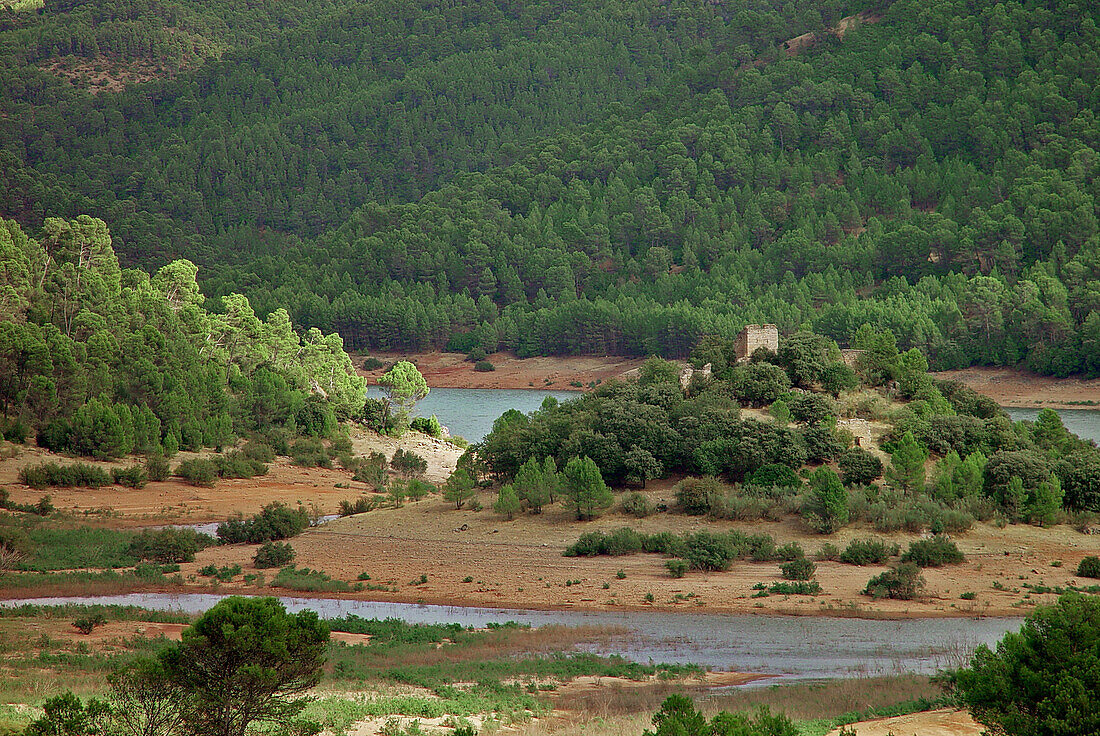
470 412
1085 423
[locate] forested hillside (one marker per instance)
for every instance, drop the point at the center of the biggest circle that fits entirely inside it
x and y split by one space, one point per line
618 177
103 361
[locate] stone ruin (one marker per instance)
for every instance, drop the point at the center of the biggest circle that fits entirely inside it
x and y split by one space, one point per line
756 336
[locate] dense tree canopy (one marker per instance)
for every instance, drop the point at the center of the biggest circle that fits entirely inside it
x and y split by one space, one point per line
624 179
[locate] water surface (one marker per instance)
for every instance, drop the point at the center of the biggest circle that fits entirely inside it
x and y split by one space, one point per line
788 646
470 412
1085 423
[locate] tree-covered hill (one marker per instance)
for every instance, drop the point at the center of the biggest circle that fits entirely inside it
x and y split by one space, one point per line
104 361
625 179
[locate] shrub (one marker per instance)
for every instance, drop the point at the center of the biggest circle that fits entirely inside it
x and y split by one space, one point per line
370 363
408 463
235 464
695 496
775 475
1089 567
868 552
197 472
637 505
676 568
799 587
273 554
762 548
275 521
223 574
77 475
428 425
707 551
828 551
859 467
311 581
168 545
259 451
789 551
131 477
86 624
801 569
624 541
903 583
484 366
664 543
361 505
934 552
156 468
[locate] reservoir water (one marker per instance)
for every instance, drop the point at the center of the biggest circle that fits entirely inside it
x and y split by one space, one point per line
470 412
787 646
1085 423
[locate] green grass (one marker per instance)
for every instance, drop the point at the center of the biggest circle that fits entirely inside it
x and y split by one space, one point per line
59 548
310 581
110 612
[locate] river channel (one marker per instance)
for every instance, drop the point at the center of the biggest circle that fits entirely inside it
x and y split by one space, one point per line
790 647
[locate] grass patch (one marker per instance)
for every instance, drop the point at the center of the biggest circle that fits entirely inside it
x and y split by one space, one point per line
60 548
311 581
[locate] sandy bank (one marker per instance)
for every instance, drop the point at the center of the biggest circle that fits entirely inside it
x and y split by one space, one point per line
452 370
1017 388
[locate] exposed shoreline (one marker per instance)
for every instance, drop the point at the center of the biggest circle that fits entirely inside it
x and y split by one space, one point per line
1020 389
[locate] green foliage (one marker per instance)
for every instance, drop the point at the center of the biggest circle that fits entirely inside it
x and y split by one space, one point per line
484 366
274 522
404 386
904 582
906 470
827 508
585 488
678 717
429 426
1089 567
197 471
243 661
859 467
273 554
676 568
75 475
308 581
637 505
459 488
507 503
131 477
66 715
800 569
408 463
696 496
868 552
1039 680
775 475
934 552
168 545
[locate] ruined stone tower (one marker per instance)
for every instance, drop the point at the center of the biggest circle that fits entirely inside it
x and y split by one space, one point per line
756 336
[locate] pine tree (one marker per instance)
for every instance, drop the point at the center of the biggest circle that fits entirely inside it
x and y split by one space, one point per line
588 494
507 503
906 469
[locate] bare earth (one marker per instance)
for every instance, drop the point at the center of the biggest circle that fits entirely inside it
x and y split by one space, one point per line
930 723
1011 387
452 370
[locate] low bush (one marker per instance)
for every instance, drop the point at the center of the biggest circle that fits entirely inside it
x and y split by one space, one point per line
775 475
370 363
236 464
790 551
712 552
1089 567
86 624
223 574
934 552
858 467
801 569
868 552
273 554
484 366
275 521
310 452
156 468
428 425
408 463
799 587
197 472
637 505
259 451
76 475
310 581
664 543
169 545
131 477
676 568
829 552
904 582
361 505
624 541
695 496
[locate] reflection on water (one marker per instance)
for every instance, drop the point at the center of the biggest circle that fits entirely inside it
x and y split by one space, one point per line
470 412
789 646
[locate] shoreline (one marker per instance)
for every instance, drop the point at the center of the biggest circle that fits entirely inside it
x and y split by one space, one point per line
1018 389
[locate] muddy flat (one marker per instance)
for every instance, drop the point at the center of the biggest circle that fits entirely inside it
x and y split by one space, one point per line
1016 388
